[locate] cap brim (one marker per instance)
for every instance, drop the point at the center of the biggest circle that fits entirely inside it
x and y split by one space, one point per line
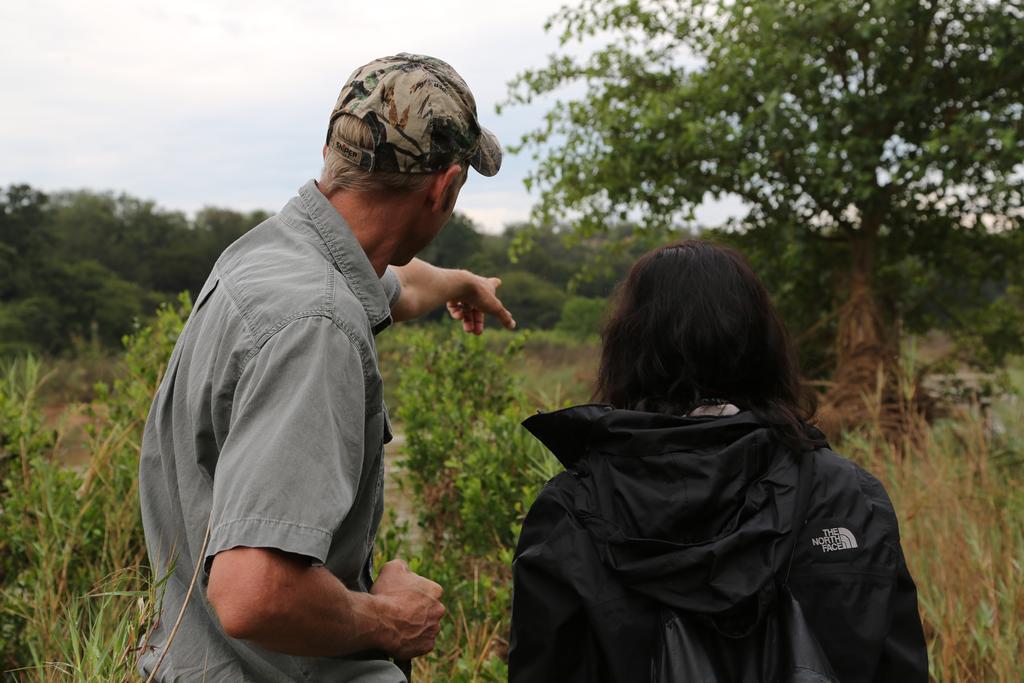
487 160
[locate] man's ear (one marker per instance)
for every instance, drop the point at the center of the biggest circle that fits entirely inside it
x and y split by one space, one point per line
441 188
325 151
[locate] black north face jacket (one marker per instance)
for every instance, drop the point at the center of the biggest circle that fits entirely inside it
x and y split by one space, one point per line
693 513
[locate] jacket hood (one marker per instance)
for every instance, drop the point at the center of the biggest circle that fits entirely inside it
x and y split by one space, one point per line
693 512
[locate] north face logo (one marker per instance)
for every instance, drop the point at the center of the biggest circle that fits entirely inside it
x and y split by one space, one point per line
834 539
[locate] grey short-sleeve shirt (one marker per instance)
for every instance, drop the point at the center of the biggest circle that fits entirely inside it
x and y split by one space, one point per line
269 426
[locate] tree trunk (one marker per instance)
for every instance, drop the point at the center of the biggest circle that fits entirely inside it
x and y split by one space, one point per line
863 387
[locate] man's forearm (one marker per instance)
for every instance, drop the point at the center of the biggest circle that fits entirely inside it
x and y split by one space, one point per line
303 610
469 296
324 618
426 287
280 602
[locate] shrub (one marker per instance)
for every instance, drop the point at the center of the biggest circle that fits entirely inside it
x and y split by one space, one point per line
472 471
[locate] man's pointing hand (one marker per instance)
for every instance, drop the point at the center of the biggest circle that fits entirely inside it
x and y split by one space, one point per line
479 299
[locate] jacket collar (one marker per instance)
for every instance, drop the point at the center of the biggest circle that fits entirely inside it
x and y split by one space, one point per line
347 254
572 432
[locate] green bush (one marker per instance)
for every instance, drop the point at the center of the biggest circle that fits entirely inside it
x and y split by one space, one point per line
472 471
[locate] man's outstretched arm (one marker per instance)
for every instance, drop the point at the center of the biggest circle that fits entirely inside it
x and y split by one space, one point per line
282 603
469 297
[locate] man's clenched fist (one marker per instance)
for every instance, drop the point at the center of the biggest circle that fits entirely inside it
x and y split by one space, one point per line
414 608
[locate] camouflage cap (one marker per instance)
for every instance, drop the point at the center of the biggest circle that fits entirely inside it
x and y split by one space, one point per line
421 115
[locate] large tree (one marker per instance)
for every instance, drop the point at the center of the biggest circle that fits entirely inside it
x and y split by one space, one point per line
877 145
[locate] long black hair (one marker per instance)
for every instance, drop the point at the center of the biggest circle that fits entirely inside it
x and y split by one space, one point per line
694 325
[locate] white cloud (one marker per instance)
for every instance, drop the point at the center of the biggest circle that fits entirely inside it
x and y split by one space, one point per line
225 103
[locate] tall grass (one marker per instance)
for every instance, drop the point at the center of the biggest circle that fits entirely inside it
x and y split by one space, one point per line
957 488
76 597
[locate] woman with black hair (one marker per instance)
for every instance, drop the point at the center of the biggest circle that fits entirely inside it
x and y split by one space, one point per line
702 529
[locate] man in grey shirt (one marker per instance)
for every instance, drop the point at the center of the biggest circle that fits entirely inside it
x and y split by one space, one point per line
261 471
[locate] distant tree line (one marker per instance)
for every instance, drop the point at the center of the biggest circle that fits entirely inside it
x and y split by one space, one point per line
84 266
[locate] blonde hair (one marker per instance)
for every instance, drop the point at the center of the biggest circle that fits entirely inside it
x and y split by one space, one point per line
341 174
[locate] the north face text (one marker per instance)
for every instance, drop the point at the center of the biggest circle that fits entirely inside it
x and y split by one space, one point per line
834 539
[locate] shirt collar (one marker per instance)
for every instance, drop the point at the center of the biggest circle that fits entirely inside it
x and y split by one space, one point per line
348 256
714 410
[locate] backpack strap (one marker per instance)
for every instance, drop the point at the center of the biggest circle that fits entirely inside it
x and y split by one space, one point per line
804 484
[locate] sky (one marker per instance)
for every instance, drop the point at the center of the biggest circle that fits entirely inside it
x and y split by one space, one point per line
223 103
